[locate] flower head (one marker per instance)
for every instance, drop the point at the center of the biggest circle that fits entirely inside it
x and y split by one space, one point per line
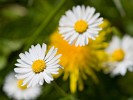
78 62
80 24
36 66
14 89
120 53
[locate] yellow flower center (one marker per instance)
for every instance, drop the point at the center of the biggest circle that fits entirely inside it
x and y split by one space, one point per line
81 26
38 66
19 84
118 55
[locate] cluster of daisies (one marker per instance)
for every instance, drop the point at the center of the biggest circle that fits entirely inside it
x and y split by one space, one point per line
37 66
33 69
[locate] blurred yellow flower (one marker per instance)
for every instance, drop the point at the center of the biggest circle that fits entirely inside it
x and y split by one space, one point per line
80 62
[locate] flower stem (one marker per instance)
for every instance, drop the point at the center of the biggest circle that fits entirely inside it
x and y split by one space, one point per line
44 24
60 90
119 7
117 32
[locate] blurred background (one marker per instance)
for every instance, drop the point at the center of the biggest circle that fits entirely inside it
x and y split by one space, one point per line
26 22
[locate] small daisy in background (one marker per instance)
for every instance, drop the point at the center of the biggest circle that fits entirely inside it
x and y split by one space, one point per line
36 66
120 55
80 24
14 89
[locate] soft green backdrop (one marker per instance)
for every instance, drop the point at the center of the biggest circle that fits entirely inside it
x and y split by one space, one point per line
26 22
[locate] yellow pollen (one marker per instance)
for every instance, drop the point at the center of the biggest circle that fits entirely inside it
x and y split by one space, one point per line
118 55
19 84
81 26
38 66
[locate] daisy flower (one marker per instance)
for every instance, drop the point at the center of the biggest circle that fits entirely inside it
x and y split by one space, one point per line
120 55
78 62
80 24
36 66
12 87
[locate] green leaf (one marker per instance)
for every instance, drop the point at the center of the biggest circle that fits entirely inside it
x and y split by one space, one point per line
3 62
68 97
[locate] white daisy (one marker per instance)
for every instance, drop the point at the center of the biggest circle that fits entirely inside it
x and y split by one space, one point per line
12 87
80 24
36 66
121 55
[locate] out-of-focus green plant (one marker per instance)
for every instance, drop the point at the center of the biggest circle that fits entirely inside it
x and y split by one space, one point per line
26 22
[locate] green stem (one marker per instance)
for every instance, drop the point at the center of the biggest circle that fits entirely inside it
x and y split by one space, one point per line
119 7
60 90
117 32
44 24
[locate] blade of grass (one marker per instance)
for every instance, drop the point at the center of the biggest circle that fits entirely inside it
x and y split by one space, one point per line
31 39
119 7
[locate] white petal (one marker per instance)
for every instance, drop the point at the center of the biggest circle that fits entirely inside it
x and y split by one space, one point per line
99 20
78 11
31 82
127 44
23 65
22 76
34 52
49 53
82 11
52 71
47 78
50 76
25 59
73 38
94 18
22 70
44 47
52 55
92 11
95 29
29 56
86 39
82 43
78 40
71 16
39 51
53 66
64 22
68 35
41 80
95 25
64 30
114 44
35 80
87 12
28 79
54 60
92 31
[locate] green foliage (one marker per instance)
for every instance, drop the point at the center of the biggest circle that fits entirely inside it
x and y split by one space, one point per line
26 22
